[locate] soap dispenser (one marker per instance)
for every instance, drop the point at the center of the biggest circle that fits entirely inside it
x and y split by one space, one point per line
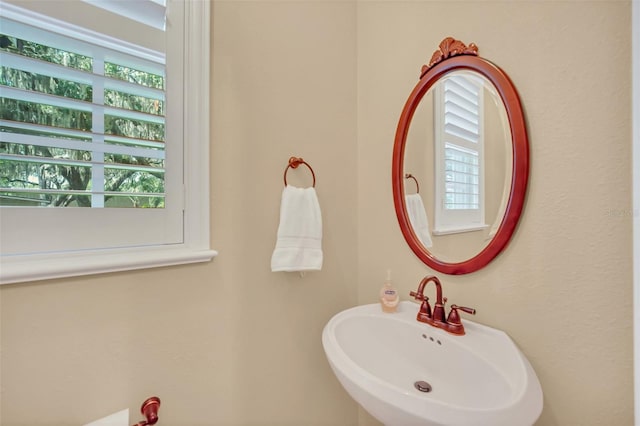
389 297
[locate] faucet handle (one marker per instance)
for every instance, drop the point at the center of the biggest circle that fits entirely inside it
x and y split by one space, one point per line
454 317
425 307
464 309
417 296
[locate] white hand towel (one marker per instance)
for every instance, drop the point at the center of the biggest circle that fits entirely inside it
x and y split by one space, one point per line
418 218
299 243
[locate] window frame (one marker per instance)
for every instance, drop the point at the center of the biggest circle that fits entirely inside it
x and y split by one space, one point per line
195 246
451 221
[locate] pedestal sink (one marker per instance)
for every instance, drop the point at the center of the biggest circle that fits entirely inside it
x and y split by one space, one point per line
404 372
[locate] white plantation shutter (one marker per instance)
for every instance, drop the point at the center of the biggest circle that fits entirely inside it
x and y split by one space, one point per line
462 109
459 148
124 117
91 142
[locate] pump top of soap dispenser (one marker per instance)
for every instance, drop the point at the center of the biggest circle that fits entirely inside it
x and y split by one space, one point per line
389 297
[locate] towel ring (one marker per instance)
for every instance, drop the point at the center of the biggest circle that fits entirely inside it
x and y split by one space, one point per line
410 176
294 162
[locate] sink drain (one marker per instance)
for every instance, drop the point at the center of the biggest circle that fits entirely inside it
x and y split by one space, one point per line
422 386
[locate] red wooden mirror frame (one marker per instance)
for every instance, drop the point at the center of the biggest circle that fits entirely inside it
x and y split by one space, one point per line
454 55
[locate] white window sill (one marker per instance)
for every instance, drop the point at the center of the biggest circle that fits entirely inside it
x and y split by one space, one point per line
459 230
16 269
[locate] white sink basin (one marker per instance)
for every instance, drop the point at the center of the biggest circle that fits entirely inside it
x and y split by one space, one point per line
480 378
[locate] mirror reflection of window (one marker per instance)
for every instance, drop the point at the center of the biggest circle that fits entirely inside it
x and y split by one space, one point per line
459 149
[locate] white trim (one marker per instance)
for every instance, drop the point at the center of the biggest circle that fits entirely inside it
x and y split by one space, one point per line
196 123
459 229
63 265
635 120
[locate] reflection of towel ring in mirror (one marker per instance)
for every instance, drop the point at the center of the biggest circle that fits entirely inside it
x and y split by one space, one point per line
294 162
410 176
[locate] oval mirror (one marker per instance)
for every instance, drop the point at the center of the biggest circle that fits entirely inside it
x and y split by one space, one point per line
460 161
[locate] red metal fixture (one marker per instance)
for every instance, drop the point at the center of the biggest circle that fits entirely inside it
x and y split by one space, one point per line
149 410
294 162
452 323
410 176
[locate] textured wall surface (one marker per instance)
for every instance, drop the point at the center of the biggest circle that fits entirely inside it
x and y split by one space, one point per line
228 342
238 345
563 288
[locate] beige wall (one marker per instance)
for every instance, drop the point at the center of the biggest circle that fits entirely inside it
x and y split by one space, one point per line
563 288
234 344
229 342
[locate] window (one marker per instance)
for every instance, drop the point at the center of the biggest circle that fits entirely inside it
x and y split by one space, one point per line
99 125
459 154
80 125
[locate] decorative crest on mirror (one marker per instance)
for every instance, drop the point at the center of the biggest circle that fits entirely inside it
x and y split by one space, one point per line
448 48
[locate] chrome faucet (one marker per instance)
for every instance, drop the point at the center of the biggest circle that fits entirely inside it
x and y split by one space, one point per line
436 318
